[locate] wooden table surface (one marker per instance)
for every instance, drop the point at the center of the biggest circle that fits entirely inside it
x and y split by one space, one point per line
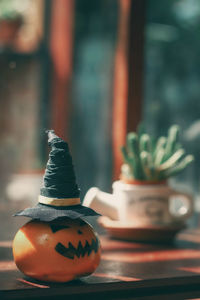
127 271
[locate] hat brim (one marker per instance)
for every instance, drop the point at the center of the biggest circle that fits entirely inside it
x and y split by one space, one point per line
47 213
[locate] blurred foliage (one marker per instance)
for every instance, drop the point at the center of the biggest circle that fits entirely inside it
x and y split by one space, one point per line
13 9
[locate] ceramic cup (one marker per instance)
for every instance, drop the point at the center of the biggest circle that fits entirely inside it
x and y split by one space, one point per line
141 205
151 204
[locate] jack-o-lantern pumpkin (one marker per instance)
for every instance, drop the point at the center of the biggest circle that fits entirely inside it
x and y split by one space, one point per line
56 251
57 245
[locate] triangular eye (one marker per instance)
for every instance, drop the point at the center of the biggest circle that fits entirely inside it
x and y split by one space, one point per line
57 227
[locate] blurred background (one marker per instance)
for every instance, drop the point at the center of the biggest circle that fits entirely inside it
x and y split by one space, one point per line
92 71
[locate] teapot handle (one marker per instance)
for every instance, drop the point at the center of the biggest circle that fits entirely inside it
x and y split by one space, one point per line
187 207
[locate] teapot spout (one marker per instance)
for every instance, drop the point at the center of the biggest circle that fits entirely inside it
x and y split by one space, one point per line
103 203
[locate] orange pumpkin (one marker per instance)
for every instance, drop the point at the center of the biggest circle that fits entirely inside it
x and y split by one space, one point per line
56 251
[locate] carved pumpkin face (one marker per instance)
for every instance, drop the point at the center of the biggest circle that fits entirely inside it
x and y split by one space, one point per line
57 251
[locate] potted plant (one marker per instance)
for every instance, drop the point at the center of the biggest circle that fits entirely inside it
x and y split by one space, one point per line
11 20
142 196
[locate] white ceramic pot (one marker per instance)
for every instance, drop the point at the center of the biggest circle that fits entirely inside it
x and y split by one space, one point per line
141 204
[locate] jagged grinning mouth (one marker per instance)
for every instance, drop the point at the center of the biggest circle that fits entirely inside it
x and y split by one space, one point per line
81 250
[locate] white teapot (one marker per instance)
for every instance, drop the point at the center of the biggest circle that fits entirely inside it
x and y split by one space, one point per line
141 204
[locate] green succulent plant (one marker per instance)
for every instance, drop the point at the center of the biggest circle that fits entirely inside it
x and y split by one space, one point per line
153 160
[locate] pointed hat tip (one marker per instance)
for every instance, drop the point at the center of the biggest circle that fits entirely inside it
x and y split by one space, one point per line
51 135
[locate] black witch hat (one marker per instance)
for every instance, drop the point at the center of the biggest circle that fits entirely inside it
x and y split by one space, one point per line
59 194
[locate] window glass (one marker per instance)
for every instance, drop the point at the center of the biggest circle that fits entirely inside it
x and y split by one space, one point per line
172 78
91 98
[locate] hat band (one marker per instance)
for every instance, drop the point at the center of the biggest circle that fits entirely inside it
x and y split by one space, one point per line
58 202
